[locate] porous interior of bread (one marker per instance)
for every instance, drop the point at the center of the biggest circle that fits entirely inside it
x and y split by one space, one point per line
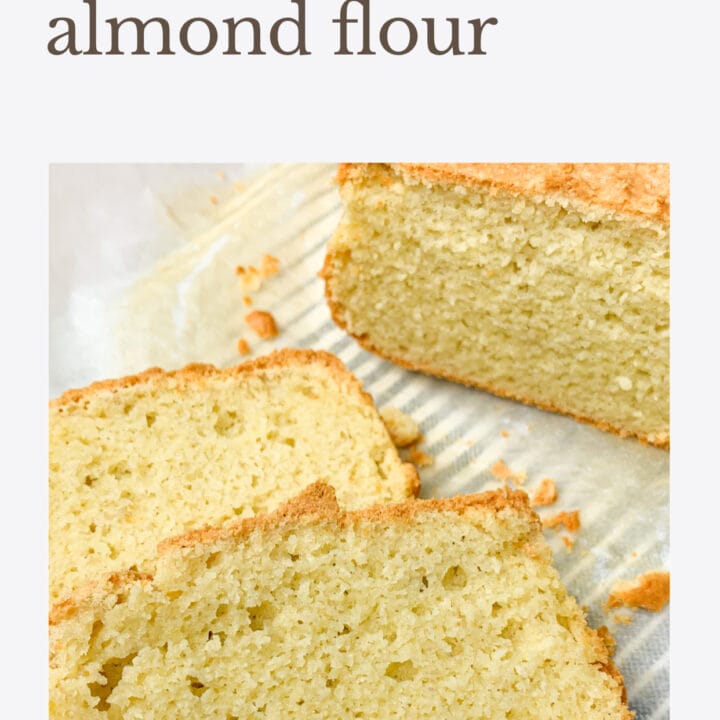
542 299
131 466
433 612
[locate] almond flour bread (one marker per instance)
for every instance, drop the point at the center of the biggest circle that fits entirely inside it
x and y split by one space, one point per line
136 460
427 609
544 283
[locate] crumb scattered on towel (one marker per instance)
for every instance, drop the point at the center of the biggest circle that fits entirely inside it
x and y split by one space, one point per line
649 591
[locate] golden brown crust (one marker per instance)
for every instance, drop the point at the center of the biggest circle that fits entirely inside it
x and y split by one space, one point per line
112 583
640 189
316 503
661 440
606 664
195 374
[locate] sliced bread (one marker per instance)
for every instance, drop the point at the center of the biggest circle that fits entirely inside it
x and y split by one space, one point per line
545 283
426 609
136 460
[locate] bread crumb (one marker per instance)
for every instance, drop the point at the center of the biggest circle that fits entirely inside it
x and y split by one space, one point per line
546 494
502 472
269 266
420 458
262 323
220 174
247 300
214 199
243 347
622 619
413 454
649 591
504 433
403 429
252 277
606 638
568 541
239 186
571 520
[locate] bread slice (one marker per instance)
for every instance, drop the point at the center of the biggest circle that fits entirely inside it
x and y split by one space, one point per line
427 609
544 283
136 460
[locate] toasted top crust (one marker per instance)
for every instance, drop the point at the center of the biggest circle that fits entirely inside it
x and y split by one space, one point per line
641 189
196 373
316 503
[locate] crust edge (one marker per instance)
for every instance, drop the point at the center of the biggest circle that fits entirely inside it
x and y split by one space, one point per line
316 502
195 373
644 194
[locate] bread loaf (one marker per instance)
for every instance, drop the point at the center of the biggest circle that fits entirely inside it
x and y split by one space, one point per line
136 460
426 609
544 283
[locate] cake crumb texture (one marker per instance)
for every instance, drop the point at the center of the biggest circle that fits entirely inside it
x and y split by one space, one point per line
403 429
427 609
548 284
650 591
136 460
